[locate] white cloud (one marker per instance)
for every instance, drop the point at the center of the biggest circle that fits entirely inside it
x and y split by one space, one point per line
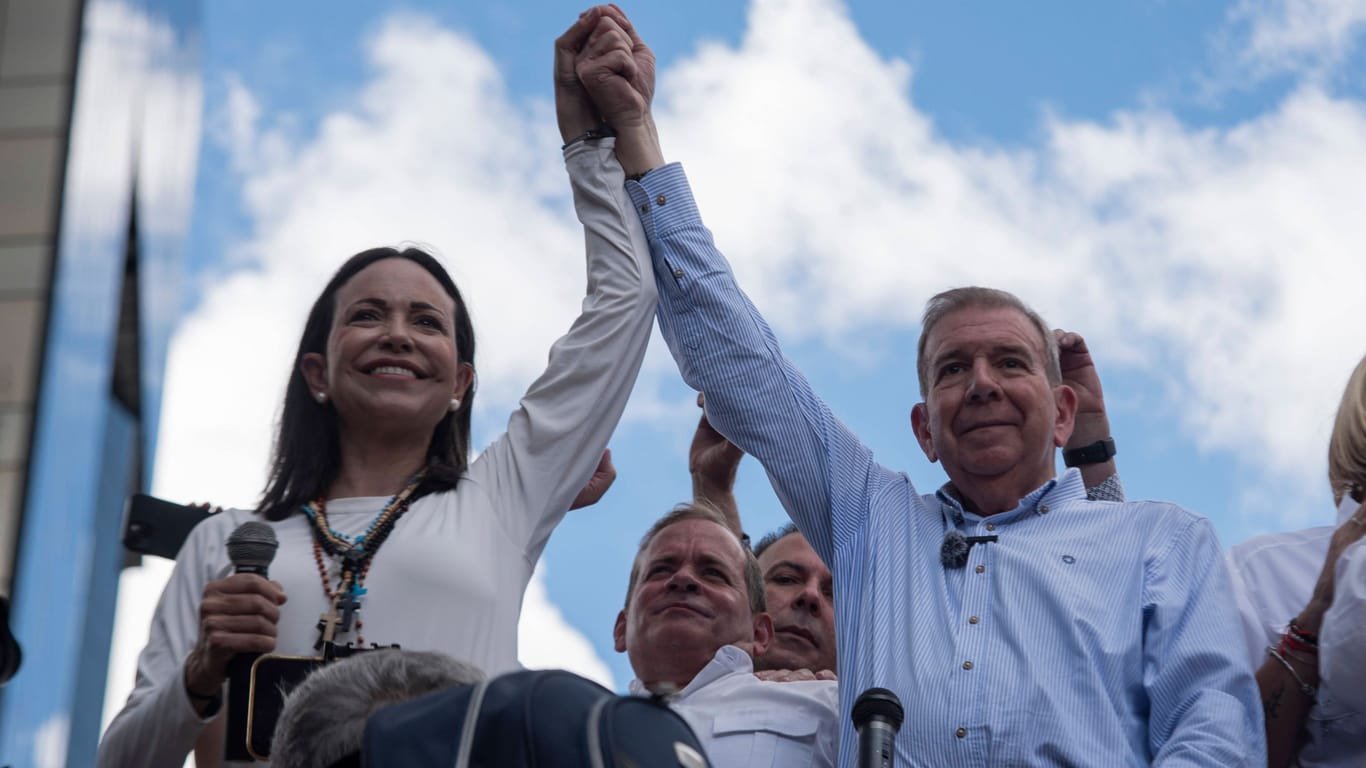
49 742
546 641
1212 256
1304 36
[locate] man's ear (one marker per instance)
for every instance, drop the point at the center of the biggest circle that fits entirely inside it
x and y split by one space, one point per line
619 632
464 378
1066 400
313 366
763 634
920 422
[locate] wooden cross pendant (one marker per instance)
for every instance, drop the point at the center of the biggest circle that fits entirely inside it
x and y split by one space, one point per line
327 625
349 606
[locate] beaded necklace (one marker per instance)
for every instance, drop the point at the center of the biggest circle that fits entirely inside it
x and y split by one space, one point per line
355 556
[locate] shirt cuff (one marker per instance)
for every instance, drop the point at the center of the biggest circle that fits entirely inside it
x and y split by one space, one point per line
664 201
1110 489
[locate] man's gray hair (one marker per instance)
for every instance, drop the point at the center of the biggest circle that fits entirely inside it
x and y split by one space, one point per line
323 719
701 510
955 299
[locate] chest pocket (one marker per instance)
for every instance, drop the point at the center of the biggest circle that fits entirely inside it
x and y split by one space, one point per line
757 738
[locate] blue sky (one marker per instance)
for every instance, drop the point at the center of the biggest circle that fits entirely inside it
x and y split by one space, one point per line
1176 180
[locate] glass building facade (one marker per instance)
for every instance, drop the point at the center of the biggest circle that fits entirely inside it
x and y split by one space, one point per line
100 111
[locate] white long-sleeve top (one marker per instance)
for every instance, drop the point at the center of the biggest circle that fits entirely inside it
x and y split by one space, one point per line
1273 579
452 574
745 722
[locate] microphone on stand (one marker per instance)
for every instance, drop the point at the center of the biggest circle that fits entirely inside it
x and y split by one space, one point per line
877 716
251 548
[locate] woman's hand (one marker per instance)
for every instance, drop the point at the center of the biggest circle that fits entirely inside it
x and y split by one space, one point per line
1347 534
574 111
238 614
617 70
597 486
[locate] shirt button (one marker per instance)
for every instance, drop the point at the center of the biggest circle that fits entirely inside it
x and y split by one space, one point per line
967 665
990 527
981 569
1043 509
961 732
973 619
661 200
678 274
645 208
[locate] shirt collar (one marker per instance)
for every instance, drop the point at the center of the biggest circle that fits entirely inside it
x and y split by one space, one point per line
729 659
1066 487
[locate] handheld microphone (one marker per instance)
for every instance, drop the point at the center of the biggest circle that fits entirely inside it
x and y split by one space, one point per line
251 548
877 717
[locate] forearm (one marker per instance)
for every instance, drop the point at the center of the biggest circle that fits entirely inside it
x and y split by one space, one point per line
556 437
1285 707
721 496
1089 428
638 148
725 349
158 727
159 724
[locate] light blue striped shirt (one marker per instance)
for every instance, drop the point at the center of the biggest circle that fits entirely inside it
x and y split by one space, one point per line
1092 633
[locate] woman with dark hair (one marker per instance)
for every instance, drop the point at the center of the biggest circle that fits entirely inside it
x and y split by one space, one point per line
387 532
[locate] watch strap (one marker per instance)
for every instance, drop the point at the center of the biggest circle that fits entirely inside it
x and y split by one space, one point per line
1095 453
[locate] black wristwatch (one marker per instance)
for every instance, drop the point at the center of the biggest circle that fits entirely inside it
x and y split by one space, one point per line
1095 453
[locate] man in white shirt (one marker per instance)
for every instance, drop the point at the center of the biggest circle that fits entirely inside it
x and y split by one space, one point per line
693 622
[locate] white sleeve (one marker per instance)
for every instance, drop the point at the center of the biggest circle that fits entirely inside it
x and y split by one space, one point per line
158 725
556 437
1342 640
1251 625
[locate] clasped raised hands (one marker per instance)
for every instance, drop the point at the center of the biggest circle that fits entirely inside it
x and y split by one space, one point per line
605 74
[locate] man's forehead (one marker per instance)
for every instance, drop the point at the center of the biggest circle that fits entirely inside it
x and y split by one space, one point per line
979 327
697 537
791 548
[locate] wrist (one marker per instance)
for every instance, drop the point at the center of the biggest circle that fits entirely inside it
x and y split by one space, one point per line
1099 451
1311 618
593 134
1087 428
704 487
638 149
206 698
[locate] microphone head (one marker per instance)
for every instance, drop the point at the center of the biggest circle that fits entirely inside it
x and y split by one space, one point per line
252 545
877 702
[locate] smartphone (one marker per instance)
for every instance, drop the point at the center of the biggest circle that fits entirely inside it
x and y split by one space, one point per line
257 688
153 526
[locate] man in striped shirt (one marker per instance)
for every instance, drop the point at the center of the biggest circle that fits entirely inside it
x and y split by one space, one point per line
1020 622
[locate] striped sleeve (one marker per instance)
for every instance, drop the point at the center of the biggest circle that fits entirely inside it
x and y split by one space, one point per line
754 395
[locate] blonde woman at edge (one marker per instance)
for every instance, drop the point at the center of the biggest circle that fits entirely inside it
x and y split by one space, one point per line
1302 598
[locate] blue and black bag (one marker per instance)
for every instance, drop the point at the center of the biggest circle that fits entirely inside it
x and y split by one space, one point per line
530 719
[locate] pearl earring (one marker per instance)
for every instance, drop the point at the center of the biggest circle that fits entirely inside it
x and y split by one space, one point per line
321 397
455 404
